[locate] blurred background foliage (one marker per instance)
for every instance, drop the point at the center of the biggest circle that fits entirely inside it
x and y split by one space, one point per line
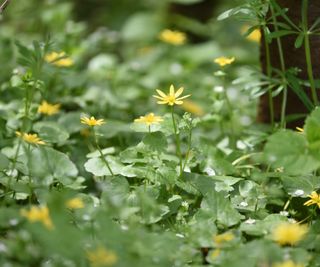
147 214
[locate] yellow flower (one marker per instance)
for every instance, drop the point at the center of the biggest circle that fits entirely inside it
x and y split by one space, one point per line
254 36
300 130
223 61
172 98
173 37
48 109
314 199
30 138
222 238
288 263
75 203
92 121
149 119
289 233
192 107
101 257
38 214
59 59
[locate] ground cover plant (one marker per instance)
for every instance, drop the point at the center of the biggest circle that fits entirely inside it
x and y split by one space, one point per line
129 133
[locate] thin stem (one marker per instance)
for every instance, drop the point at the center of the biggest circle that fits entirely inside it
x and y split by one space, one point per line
308 51
14 162
100 151
230 110
275 23
149 128
29 172
284 107
177 136
188 150
269 69
282 65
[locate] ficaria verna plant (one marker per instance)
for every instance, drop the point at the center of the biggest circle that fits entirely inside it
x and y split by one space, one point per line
99 167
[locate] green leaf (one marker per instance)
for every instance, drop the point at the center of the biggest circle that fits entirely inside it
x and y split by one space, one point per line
4 162
279 33
113 128
99 168
71 122
260 228
51 131
305 185
156 141
220 208
45 161
312 131
289 150
294 83
299 41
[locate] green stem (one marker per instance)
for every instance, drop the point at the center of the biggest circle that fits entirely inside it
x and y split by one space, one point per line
282 65
29 172
14 162
188 150
269 72
230 111
284 107
177 136
100 151
149 128
308 51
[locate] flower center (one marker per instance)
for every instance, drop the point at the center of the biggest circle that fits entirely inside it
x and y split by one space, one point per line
171 99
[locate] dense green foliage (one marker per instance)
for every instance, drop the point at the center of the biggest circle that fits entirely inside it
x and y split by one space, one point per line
204 185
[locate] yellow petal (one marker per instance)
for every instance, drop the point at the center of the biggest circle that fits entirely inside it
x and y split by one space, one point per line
179 92
171 90
183 97
162 102
161 93
158 97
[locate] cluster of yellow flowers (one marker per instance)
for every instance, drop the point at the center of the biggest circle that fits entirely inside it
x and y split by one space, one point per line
58 59
41 213
171 98
101 257
38 214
